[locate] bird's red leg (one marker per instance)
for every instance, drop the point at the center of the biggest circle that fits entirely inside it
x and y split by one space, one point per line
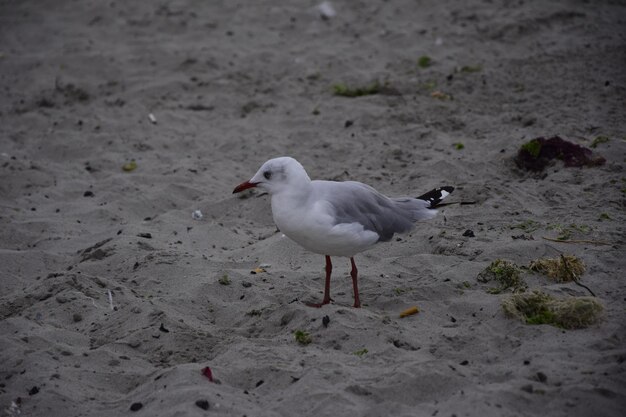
326 300
354 274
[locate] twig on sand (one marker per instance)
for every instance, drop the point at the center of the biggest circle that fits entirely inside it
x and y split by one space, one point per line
593 242
573 275
461 203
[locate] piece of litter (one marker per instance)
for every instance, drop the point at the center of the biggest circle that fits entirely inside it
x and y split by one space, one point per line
197 215
257 270
207 372
110 299
152 118
440 95
265 266
326 10
409 312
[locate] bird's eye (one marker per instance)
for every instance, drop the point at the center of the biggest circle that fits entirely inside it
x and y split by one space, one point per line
267 175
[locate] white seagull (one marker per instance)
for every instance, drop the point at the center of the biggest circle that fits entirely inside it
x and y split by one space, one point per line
337 218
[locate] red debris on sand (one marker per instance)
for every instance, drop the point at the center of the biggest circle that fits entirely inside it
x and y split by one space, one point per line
207 372
536 154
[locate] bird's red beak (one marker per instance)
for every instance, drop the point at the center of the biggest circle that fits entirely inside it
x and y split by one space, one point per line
244 186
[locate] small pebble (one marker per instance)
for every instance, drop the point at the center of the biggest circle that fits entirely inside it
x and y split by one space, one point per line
145 235
469 233
136 406
542 377
33 391
77 317
325 321
88 194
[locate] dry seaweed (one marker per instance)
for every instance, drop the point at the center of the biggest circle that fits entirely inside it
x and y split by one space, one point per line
345 91
541 308
536 154
565 268
505 274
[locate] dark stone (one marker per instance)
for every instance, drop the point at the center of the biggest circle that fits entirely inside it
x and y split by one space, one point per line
136 406
469 233
88 194
145 235
33 391
541 377
325 321
204 404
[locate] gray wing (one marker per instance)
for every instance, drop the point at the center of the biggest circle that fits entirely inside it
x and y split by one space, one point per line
354 202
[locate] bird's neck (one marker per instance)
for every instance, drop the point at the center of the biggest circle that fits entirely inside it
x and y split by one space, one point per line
295 195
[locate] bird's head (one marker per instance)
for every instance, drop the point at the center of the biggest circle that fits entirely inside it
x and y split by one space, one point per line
277 175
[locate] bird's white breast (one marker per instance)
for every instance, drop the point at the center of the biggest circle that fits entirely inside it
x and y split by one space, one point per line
310 223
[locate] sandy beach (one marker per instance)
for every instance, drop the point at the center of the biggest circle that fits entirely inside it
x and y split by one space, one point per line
120 120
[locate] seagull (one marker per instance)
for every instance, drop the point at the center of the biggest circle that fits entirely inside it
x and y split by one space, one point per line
334 218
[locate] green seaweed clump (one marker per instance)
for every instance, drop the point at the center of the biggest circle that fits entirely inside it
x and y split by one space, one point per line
224 280
533 147
345 91
566 232
598 140
424 61
129 166
527 226
541 308
471 68
565 268
302 337
505 274
361 352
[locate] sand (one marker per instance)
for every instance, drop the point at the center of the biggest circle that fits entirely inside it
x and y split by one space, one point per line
231 84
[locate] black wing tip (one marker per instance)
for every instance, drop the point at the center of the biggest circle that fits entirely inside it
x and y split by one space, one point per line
435 196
